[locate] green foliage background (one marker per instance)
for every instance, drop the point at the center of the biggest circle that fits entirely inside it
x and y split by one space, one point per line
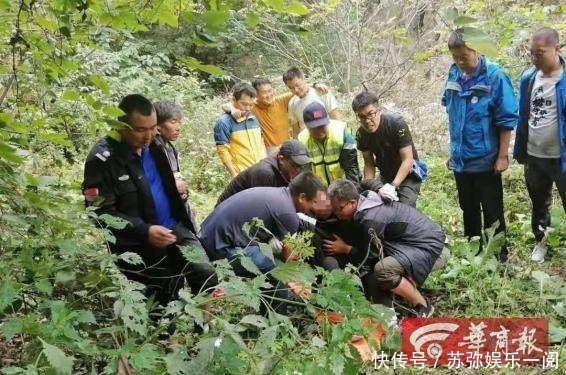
65 308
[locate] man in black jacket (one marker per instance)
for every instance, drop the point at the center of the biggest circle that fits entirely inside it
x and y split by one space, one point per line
396 244
127 176
273 171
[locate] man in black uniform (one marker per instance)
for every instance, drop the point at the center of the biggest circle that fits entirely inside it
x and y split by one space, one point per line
386 143
273 171
127 176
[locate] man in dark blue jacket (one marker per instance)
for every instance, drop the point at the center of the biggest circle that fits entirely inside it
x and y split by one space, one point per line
482 113
395 244
541 138
126 175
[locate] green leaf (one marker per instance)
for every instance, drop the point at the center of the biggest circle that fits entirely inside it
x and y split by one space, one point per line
7 293
483 46
100 82
337 364
56 138
252 20
71 95
146 358
193 63
57 358
85 316
8 153
63 277
451 13
297 8
541 277
247 263
560 309
194 254
12 327
44 286
113 221
557 333
463 20
112 111
294 271
176 362
255 320
131 258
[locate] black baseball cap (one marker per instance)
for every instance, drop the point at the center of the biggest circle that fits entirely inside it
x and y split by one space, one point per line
315 115
296 151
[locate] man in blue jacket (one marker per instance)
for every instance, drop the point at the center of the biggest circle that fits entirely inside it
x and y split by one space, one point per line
482 112
541 137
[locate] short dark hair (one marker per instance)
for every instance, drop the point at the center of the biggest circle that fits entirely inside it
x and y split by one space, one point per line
456 39
306 183
363 99
166 111
343 190
134 103
259 81
548 35
243 88
292 73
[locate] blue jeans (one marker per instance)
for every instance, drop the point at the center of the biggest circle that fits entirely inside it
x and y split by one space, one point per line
256 256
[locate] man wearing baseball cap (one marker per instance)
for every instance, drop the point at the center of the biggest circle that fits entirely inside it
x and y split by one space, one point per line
273 171
330 145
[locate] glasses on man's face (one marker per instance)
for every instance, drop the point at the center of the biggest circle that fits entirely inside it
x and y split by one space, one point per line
369 116
340 208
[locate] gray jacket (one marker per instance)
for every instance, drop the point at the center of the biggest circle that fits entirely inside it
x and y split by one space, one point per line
406 234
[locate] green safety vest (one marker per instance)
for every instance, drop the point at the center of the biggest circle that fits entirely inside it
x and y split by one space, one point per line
325 155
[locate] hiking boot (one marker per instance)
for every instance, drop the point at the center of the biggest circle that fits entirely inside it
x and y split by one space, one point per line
424 311
539 252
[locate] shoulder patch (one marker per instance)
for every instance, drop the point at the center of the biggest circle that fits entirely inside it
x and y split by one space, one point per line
101 156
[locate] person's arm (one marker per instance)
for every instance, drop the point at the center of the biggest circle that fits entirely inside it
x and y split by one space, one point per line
506 117
294 124
406 154
502 161
230 109
222 135
369 165
349 158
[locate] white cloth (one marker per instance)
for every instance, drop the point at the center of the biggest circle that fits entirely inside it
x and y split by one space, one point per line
388 192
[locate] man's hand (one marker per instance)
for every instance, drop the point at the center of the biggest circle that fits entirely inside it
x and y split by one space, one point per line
501 164
321 88
336 246
182 187
388 192
160 236
276 245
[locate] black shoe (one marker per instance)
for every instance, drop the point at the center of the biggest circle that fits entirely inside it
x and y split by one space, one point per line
424 311
503 254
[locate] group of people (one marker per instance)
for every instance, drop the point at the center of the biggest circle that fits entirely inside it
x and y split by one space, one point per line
294 168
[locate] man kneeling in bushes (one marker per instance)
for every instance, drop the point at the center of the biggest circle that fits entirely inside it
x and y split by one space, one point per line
397 244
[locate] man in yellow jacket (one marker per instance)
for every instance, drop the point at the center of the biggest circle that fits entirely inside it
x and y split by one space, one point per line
330 145
238 140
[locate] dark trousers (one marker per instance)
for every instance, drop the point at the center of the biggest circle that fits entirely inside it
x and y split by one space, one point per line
166 270
540 174
480 193
409 190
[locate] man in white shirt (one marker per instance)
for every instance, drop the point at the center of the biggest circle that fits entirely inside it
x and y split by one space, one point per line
294 79
541 137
